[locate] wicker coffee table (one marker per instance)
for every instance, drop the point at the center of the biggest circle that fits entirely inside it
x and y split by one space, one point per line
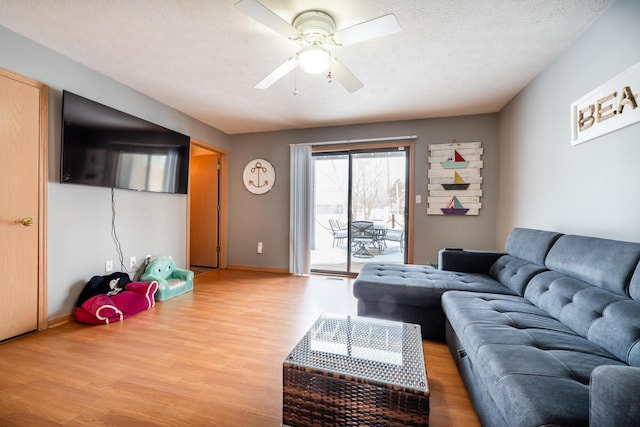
354 371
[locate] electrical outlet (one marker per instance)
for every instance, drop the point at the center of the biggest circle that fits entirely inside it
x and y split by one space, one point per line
108 266
132 262
259 248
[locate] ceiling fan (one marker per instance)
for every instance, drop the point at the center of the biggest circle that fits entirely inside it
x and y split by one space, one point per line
315 33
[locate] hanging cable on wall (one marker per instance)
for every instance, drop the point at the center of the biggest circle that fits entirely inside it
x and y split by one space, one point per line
114 235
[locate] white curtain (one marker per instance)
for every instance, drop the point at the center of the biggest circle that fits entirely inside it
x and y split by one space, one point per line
300 209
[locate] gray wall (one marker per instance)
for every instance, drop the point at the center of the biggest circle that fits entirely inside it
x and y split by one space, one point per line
79 217
265 217
532 177
591 188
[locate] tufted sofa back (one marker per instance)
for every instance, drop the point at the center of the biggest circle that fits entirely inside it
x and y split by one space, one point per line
593 287
526 251
608 264
531 245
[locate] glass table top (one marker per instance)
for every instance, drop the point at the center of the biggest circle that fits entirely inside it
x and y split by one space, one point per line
381 351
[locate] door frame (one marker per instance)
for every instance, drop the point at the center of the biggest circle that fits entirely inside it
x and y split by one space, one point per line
391 144
222 201
43 176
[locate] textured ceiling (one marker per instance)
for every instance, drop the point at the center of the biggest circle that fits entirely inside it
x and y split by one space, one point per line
203 57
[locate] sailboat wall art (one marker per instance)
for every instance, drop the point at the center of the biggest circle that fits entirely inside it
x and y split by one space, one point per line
455 162
454 207
455 181
458 183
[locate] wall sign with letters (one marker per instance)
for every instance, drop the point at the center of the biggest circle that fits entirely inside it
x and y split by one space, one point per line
611 106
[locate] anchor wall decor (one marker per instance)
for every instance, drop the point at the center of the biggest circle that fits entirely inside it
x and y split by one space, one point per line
259 176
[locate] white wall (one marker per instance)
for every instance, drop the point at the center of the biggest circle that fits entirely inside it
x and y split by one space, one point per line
79 217
544 182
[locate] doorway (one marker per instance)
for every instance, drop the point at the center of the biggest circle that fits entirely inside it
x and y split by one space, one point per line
207 219
360 208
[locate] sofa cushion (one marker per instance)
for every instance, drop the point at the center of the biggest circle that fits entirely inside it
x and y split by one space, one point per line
610 320
526 251
536 387
483 318
522 354
530 245
608 264
514 273
416 285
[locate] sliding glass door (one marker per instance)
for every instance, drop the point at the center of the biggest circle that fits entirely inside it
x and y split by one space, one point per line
360 208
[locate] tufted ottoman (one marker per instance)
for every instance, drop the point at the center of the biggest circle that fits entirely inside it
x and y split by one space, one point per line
412 293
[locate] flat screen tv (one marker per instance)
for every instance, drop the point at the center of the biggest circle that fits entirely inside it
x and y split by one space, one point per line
105 147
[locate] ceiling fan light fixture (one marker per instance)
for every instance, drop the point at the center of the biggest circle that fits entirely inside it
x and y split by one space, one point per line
315 32
314 59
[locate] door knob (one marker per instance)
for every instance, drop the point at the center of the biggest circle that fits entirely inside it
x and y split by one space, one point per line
25 221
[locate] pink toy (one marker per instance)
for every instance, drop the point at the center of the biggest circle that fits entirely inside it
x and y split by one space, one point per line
104 300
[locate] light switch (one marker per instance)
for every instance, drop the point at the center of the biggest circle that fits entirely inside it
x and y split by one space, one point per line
418 198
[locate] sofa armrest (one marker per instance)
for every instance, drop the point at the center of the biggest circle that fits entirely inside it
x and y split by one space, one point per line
465 261
613 396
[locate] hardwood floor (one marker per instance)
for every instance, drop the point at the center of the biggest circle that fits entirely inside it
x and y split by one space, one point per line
211 357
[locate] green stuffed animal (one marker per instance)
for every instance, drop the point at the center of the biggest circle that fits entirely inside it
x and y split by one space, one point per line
172 281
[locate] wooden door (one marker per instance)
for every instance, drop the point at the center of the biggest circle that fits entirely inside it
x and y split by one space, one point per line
204 210
20 185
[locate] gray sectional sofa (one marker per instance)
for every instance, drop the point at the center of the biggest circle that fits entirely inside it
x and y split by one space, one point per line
545 333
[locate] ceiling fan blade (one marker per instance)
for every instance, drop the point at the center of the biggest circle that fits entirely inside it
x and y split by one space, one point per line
377 27
266 17
284 69
345 77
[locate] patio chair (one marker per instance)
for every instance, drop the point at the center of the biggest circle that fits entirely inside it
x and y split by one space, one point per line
339 234
396 235
379 237
362 235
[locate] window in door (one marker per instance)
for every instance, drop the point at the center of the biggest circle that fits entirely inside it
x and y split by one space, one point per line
360 208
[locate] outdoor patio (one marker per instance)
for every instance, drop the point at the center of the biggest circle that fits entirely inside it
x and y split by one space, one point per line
331 255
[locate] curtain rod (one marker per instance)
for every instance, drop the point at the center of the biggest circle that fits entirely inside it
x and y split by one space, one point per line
355 141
